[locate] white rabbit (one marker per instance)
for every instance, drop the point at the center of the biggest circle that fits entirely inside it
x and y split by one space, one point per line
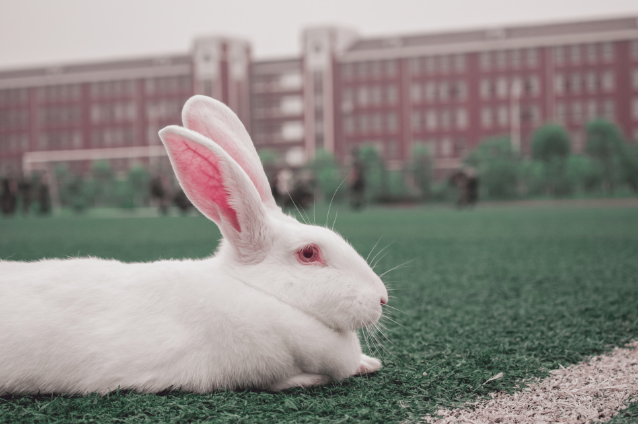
277 306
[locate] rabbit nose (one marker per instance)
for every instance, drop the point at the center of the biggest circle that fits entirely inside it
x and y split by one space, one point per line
383 301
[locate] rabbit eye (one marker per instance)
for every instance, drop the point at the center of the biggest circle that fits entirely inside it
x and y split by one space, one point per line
309 254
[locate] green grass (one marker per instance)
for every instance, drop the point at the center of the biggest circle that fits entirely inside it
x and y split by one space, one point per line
512 290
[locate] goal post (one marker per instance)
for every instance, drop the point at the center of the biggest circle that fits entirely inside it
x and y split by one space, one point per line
45 160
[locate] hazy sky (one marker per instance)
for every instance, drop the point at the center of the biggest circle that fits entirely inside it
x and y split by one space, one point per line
42 32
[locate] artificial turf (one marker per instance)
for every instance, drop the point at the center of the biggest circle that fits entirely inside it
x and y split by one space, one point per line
497 289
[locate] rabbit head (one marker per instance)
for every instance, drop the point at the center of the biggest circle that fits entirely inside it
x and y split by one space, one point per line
308 267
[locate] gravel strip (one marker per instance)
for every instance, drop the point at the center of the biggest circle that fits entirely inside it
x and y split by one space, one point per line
593 391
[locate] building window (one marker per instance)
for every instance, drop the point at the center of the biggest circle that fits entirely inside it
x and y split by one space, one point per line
501 116
608 51
561 112
375 69
459 63
415 92
486 117
444 64
515 58
346 71
486 60
59 115
574 54
459 90
592 110
575 83
415 66
376 123
390 68
179 84
607 81
14 118
430 91
430 120
559 55
501 59
391 122
532 85
125 88
362 96
416 120
446 119
430 64
164 109
113 137
446 147
502 87
362 69
293 130
60 140
461 118
577 112
291 105
348 125
113 112
363 124
591 52
376 95
591 82
485 89
444 91
559 84
609 110
392 94
531 56
13 96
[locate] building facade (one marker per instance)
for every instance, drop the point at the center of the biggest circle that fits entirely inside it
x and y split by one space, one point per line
446 91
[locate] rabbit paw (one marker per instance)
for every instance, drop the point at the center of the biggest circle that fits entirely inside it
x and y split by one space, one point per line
368 365
302 381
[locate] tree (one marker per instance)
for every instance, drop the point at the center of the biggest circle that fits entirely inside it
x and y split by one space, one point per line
327 173
422 169
551 146
604 144
497 168
375 172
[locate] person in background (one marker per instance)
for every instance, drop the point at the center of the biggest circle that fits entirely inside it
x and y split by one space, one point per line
24 187
472 186
159 191
8 196
181 201
357 182
44 197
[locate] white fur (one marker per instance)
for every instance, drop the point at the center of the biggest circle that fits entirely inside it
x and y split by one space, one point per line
251 316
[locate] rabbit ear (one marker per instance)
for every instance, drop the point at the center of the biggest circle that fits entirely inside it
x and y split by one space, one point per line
220 189
216 121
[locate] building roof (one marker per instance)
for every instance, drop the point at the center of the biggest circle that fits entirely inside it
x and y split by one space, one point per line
489 38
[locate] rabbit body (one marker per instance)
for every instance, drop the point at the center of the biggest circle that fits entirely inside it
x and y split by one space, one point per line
277 306
91 325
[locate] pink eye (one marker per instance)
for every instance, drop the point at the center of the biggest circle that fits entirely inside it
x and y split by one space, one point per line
309 254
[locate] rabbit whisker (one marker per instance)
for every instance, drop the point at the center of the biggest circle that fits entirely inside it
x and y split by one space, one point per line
333 196
371 250
397 267
388 245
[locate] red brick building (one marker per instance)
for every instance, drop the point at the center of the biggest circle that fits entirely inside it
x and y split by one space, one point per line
447 91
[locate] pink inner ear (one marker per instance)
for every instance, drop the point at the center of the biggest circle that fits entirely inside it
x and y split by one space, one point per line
200 175
231 147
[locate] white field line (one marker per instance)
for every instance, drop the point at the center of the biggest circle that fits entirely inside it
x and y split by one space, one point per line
587 392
